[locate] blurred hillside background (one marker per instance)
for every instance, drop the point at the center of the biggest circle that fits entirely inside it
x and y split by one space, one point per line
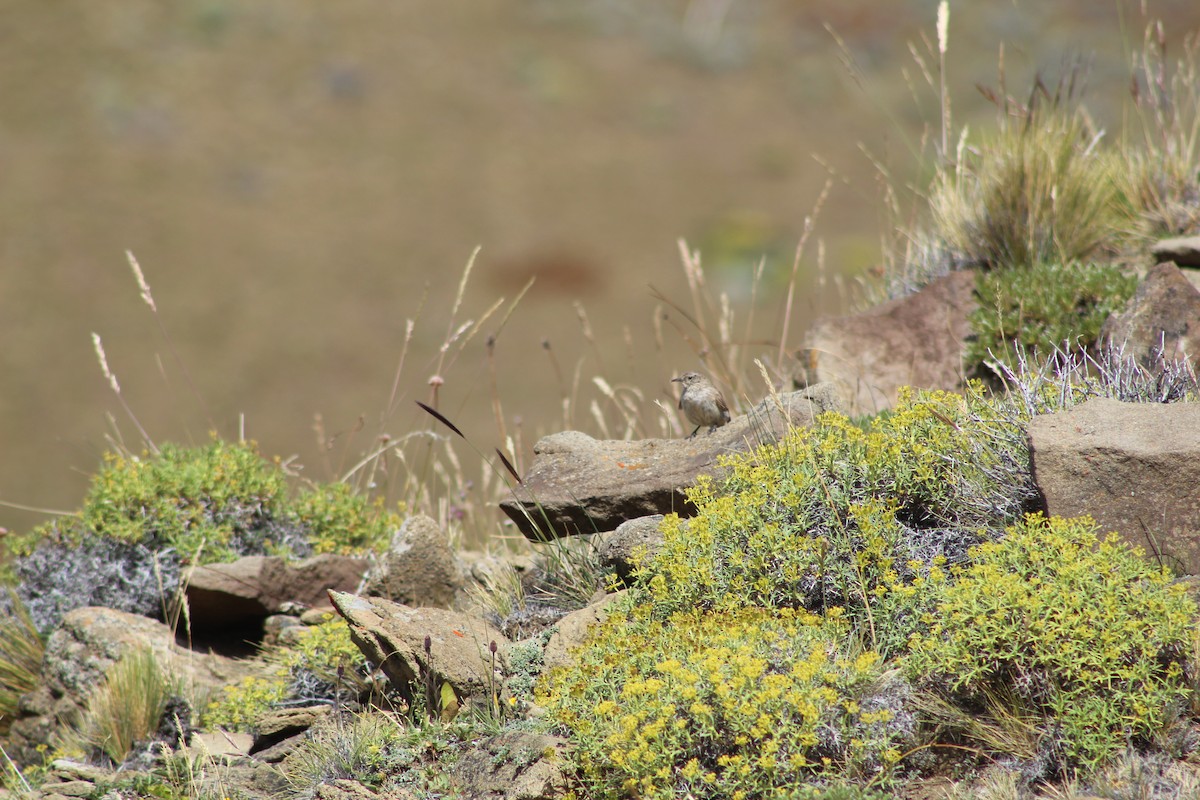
299 178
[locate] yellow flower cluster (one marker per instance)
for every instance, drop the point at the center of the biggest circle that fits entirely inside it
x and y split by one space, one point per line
718 704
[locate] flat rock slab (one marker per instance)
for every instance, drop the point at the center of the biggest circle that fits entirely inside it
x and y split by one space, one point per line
1134 467
1183 250
254 587
580 485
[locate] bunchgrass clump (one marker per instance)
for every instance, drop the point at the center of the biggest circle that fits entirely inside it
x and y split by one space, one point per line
721 704
1084 637
1041 191
1045 308
1162 180
21 651
841 515
125 709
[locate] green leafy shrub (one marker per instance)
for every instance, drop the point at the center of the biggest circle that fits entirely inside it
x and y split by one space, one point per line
321 663
210 503
1045 309
721 704
339 520
1087 637
837 515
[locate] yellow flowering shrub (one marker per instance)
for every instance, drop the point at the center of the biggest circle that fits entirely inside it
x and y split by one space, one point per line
735 703
1086 635
838 515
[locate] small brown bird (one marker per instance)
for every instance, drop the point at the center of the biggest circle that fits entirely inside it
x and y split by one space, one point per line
701 402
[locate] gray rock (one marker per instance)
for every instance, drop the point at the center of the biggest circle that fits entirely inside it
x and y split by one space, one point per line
1134 467
616 549
1162 317
581 485
911 341
514 765
570 632
276 732
419 568
1183 250
255 587
393 636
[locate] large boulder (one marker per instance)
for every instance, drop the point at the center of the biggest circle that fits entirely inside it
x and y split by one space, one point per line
911 341
420 649
1134 467
581 485
1160 322
419 568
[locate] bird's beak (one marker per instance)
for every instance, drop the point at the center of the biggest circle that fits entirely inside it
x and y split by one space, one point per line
676 380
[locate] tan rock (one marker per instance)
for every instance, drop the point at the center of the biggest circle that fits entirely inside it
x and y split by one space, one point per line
1134 467
911 341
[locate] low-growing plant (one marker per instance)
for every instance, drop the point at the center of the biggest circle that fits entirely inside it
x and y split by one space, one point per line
736 703
1046 308
1084 634
381 752
68 569
367 751
1066 378
321 664
838 515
